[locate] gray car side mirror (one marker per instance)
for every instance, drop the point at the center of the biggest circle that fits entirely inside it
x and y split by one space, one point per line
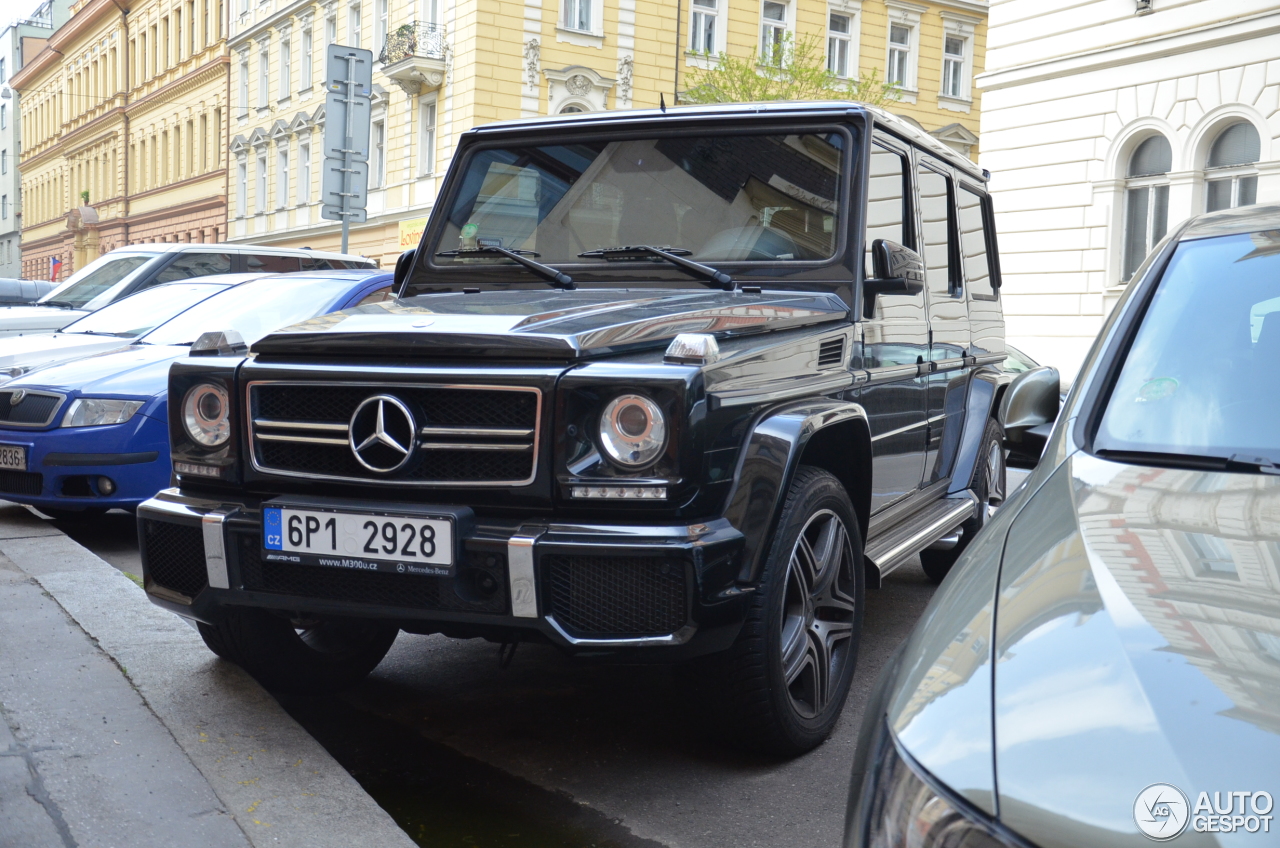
1027 412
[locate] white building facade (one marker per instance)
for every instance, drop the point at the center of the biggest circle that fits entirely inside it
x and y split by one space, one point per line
1107 122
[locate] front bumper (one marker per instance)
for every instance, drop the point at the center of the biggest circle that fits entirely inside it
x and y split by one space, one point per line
65 465
580 586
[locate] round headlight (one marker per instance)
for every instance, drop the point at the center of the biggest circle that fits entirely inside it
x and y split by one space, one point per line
632 430
206 414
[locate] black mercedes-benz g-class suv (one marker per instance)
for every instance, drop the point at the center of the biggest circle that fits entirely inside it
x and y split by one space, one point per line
674 385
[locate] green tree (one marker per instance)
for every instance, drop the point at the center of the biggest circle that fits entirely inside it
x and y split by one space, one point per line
794 70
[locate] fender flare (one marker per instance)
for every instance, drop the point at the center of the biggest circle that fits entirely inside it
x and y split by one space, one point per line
985 389
766 464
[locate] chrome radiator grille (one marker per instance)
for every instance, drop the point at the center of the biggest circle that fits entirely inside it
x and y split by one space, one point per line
397 434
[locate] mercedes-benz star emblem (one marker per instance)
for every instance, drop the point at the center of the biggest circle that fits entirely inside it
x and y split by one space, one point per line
16 397
382 434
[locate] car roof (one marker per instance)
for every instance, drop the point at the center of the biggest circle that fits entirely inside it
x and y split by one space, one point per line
735 111
1230 222
223 247
347 274
211 280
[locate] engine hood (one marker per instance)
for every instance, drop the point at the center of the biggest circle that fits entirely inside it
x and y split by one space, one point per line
38 349
1137 642
558 325
134 371
21 319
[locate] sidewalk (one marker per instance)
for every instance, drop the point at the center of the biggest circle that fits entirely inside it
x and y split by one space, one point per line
119 728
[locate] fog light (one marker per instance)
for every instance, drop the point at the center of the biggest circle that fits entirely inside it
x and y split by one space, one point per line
197 470
634 493
106 486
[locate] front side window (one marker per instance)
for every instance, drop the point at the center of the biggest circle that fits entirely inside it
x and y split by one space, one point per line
268 264
1200 375
953 82
1146 200
899 65
773 32
839 38
1231 177
732 198
195 265
702 26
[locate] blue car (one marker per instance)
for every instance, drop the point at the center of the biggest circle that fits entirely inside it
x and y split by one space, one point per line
86 436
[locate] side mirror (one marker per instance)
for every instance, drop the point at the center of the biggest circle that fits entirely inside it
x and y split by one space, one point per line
404 264
219 343
896 270
1027 412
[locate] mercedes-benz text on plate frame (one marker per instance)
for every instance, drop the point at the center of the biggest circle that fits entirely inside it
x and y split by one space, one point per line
364 541
13 456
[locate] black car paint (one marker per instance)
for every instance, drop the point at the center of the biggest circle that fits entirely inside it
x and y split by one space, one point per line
741 426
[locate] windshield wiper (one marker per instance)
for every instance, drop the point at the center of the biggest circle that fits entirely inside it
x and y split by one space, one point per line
93 333
559 279
1202 462
674 255
60 303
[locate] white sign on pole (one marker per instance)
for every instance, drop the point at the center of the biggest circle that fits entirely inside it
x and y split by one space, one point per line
345 179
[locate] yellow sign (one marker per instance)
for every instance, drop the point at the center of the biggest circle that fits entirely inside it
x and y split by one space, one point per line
411 232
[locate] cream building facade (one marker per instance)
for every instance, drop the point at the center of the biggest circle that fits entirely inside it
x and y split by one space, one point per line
122 131
444 66
1107 122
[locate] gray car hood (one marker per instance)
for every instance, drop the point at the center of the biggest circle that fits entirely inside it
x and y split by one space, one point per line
1136 640
41 349
36 318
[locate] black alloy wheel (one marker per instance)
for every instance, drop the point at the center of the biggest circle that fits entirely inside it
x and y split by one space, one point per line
304 656
989 486
783 684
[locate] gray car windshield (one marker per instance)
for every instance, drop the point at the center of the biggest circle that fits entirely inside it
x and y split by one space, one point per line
1201 377
728 198
99 282
252 309
142 312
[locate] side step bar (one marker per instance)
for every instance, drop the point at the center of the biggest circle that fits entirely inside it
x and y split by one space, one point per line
903 541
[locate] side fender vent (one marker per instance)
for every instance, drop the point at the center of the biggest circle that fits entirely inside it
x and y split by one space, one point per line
831 353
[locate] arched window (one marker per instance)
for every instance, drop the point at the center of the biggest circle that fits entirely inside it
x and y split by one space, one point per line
1146 200
1232 178
571 109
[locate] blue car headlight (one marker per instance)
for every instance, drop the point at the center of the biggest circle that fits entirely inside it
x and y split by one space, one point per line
90 412
908 810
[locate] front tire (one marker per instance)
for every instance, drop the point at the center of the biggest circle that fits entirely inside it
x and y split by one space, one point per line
989 486
300 656
788 675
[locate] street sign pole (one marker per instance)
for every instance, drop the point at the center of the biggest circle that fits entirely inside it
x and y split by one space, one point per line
345 180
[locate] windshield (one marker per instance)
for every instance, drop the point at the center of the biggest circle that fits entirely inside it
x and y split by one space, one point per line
252 309
97 284
729 198
1201 376
142 312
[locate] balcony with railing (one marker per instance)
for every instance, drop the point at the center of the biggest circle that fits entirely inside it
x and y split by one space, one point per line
414 55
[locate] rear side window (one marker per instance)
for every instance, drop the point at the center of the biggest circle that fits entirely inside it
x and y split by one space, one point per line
377 296
886 204
974 243
935 222
268 264
194 265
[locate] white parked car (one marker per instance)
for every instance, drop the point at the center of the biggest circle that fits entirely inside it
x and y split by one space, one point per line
111 327
131 269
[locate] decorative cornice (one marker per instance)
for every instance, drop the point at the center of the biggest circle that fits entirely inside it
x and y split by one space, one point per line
271 22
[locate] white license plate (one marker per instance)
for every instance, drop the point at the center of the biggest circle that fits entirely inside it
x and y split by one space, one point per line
12 456
361 541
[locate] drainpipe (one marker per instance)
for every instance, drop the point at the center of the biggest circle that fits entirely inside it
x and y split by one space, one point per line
124 113
676 85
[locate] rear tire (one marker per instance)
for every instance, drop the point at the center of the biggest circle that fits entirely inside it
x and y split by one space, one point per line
786 679
989 486
305 657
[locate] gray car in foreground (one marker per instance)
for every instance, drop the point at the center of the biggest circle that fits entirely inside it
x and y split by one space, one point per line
1102 666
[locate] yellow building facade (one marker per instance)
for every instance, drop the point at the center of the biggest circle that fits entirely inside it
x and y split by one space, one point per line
443 67
123 131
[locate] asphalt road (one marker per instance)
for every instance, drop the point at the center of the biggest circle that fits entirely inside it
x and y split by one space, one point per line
554 751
